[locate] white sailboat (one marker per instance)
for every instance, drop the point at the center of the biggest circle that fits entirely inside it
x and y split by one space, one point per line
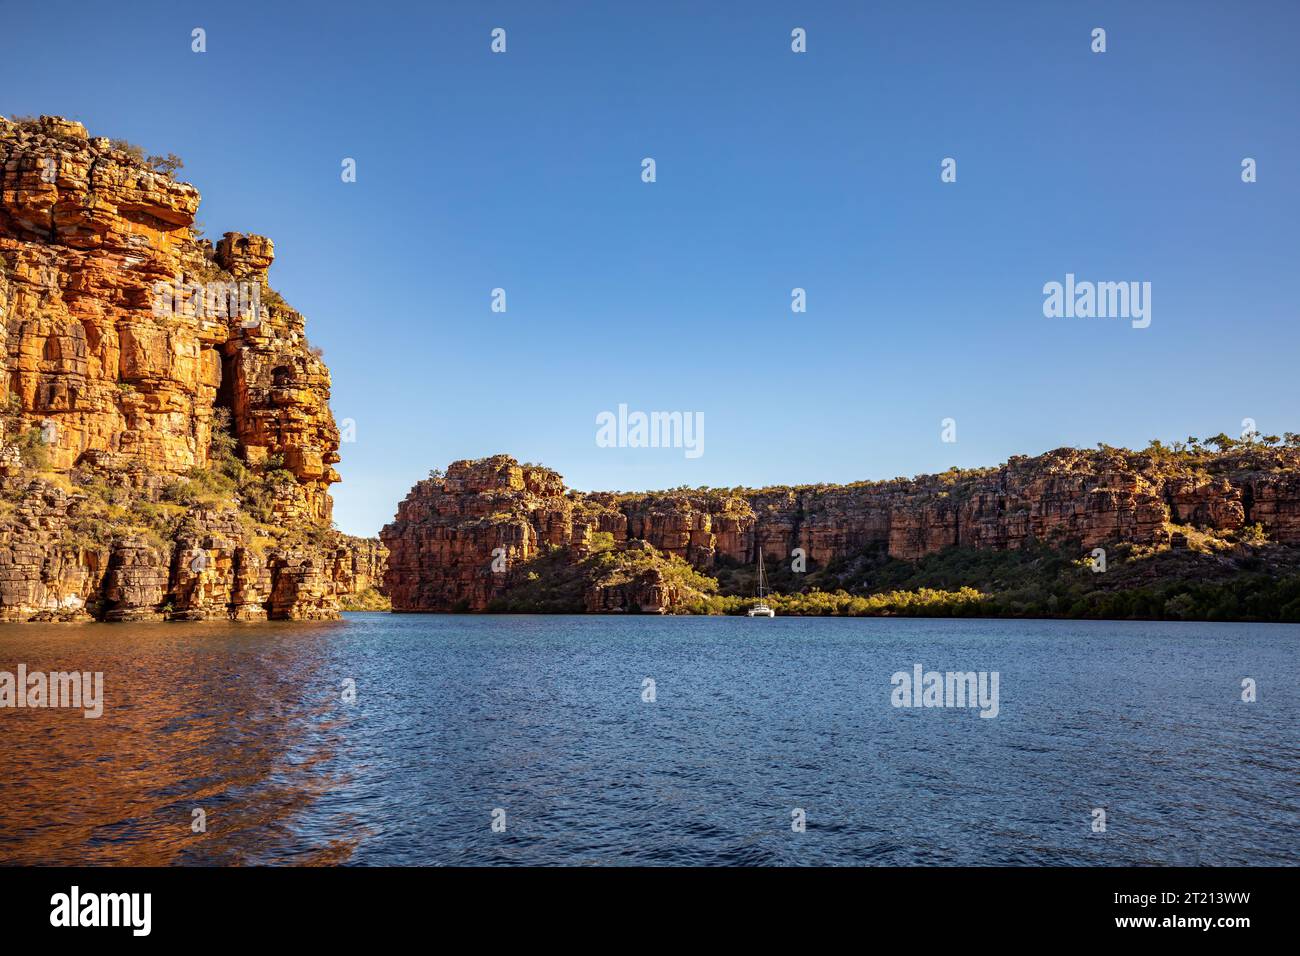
761 609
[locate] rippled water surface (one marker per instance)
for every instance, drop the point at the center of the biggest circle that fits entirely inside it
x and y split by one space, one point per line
543 717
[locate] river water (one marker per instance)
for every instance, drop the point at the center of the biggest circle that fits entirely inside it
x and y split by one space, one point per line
534 740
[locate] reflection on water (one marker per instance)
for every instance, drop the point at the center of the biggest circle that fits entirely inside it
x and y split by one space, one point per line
543 717
240 721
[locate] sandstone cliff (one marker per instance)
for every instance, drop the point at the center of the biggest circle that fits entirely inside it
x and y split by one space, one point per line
168 445
451 529
491 527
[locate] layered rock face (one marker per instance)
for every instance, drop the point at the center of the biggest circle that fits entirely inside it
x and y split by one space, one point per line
454 546
125 342
113 343
448 529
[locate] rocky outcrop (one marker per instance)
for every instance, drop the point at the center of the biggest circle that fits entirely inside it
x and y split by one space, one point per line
450 529
356 565
642 586
460 540
213 569
135 354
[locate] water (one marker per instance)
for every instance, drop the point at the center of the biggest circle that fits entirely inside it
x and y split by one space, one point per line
543 717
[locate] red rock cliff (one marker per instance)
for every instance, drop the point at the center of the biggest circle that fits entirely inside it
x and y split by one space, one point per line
448 529
125 342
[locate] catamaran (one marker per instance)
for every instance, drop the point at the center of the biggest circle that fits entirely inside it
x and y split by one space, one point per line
761 609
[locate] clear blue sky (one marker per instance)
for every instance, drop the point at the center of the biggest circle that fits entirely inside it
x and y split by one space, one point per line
775 170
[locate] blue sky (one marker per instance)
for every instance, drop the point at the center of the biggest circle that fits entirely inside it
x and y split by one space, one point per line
775 170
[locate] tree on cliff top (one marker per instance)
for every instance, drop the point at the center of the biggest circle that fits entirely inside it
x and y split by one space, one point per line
167 165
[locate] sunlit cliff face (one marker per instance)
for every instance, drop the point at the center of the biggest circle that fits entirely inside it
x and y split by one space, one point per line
117 375
450 531
166 442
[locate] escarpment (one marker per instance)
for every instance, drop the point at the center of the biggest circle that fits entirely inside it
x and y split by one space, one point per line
167 445
491 530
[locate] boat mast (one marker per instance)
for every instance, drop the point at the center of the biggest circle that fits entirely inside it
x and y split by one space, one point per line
762 582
